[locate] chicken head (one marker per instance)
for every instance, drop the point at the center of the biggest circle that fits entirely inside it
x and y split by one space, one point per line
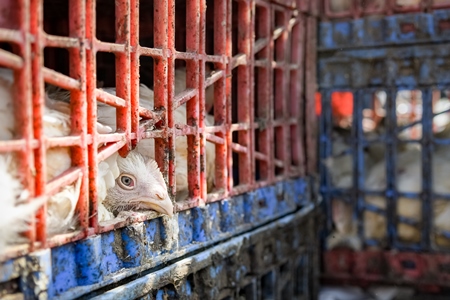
140 186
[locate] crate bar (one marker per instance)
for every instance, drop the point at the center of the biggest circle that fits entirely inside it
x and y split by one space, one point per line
10 60
282 151
251 83
296 97
77 56
215 76
91 97
390 156
244 110
134 70
440 6
262 95
201 99
357 147
23 108
60 41
161 40
392 6
111 47
326 151
184 97
36 17
61 239
66 178
192 106
10 36
427 169
156 53
58 79
170 80
328 13
123 75
310 89
110 99
217 59
228 139
16 145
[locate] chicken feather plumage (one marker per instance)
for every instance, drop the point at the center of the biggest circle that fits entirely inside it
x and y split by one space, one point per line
408 179
106 115
109 170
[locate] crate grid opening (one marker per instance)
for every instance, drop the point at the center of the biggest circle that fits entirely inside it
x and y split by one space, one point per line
212 134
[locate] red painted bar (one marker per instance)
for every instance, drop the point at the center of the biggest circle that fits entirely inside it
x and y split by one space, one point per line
27 31
10 60
244 94
78 106
123 78
36 18
222 107
23 106
134 69
91 97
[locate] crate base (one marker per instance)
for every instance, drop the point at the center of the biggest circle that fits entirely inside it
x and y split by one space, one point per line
427 272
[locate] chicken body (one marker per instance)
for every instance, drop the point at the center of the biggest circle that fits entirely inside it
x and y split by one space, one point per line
408 180
340 166
15 215
113 195
106 115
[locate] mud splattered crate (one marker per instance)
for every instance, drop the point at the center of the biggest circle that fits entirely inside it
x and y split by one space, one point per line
249 78
383 80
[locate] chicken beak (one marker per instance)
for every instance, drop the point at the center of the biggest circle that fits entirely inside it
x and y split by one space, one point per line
164 206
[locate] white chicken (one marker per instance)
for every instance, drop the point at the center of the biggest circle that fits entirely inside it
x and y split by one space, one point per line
106 115
61 206
141 183
65 201
143 192
340 167
409 180
13 208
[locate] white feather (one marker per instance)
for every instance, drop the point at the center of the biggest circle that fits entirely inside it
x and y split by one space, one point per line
14 215
106 115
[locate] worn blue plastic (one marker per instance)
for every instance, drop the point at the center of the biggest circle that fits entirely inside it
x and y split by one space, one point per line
384 31
72 270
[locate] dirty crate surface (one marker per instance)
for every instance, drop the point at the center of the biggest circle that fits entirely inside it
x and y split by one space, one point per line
276 261
247 67
365 56
72 270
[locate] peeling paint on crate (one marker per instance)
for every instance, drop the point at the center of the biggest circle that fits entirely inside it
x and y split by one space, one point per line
118 254
386 67
110 262
64 268
415 28
232 269
186 228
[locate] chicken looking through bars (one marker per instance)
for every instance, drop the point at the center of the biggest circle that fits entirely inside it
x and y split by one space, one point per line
139 183
146 147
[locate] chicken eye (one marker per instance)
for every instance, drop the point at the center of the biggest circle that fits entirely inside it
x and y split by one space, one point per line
127 182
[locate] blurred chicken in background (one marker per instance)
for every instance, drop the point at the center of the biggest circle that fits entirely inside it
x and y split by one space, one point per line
409 177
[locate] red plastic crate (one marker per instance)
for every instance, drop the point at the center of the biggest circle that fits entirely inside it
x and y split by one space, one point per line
265 45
